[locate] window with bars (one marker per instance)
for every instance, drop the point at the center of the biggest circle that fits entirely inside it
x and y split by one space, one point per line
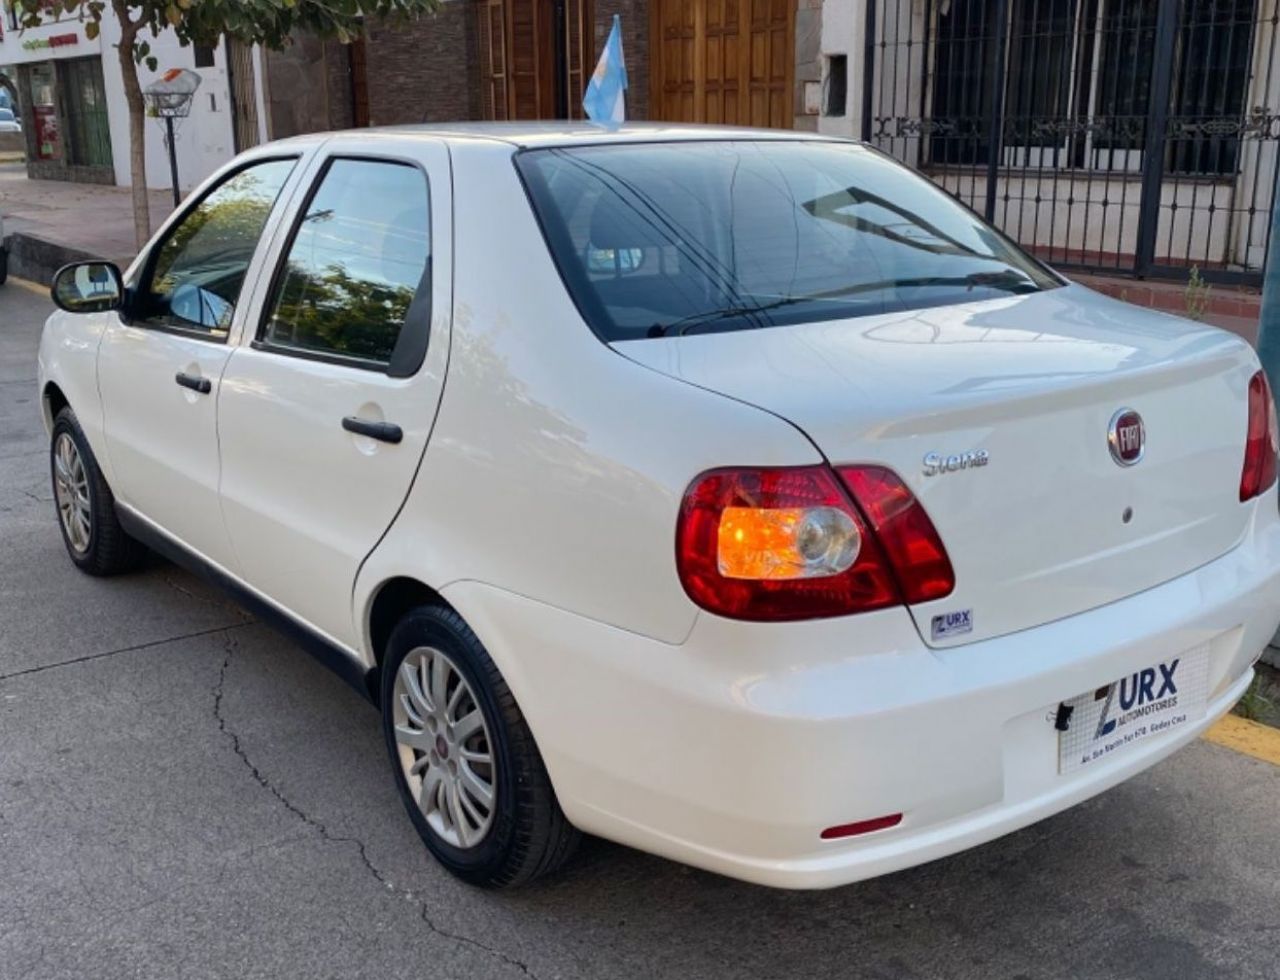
1077 80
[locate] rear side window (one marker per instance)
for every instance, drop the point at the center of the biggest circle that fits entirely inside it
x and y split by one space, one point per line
356 264
664 239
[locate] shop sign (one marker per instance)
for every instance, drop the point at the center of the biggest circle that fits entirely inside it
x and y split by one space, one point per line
53 41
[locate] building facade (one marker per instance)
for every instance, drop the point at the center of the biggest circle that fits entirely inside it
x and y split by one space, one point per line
1127 136
742 61
70 94
1130 136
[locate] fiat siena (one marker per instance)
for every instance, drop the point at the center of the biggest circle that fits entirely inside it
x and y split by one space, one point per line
738 496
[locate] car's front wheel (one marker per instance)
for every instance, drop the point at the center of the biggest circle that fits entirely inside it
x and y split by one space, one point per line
86 508
465 761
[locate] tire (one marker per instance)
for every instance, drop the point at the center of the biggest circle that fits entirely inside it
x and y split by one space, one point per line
97 544
4 265
526 835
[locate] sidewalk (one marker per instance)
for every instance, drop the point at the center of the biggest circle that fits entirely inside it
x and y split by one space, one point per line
52 222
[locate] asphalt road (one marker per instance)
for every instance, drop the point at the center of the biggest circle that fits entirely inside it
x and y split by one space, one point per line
183 793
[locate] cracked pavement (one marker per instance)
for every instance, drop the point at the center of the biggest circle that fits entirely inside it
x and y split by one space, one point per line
184 793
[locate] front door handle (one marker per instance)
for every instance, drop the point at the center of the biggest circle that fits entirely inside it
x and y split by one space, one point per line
382 431
201 385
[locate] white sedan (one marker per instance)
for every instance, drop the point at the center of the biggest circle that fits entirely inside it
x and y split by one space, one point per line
738 496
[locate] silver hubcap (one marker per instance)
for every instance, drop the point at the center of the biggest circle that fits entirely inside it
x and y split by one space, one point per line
444 747
71 488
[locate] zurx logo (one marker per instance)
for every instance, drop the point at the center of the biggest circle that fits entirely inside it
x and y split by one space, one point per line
1136 691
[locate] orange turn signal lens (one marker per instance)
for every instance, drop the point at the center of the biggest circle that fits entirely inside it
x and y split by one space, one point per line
779 544
786 542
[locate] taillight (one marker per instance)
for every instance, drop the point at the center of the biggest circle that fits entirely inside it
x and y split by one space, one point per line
787 544
1263 440
908 537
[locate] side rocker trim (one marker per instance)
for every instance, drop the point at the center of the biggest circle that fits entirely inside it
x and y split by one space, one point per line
337 658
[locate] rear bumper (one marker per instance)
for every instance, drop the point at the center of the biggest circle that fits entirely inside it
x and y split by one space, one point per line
735 749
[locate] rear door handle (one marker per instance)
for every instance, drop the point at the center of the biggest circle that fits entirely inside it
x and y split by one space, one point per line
382 431
201 385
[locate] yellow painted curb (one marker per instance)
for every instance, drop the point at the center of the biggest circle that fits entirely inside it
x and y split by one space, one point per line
29 286
1249 737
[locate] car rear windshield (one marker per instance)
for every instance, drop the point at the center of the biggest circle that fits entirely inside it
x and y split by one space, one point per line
666 239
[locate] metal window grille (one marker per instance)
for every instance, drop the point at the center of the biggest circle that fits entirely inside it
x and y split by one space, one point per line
1138 136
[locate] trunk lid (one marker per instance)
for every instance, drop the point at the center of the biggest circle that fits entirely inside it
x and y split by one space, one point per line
1052 525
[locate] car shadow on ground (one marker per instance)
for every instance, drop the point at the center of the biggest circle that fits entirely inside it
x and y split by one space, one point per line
1131 884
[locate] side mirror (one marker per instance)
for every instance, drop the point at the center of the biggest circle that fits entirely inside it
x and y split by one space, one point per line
88 287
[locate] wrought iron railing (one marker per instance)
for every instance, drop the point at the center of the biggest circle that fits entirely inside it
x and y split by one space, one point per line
1130 135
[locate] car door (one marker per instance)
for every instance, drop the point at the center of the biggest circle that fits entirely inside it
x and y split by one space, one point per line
327 405
161 359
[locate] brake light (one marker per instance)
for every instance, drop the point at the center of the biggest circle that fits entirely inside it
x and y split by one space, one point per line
906 533
1262 442
790 543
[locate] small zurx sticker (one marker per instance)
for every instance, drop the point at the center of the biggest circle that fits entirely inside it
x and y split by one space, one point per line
952 624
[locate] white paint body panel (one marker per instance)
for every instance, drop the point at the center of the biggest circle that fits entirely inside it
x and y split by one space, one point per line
163 439
305 501
544 509
1038 534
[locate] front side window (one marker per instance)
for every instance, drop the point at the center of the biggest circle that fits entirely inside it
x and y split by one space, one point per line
200 268
667 239
358 257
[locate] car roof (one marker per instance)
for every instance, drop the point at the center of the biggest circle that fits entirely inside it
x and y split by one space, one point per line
565 133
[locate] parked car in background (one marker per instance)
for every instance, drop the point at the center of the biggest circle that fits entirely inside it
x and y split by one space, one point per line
735 495
9 123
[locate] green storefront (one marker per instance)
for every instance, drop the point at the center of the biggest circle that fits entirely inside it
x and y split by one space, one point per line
65 118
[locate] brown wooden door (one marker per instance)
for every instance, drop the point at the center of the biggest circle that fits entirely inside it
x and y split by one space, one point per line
536 57
723 61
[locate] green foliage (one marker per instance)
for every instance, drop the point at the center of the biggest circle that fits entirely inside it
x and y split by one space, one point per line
1256 705
333 310
1197 294
266 22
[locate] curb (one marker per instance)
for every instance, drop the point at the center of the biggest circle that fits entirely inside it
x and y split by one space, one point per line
1249 738
28 285
37 259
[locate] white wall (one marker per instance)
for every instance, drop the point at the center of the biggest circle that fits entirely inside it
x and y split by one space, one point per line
204 139
844 32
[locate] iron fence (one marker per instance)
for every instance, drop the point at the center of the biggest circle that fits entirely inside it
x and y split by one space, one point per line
1136 136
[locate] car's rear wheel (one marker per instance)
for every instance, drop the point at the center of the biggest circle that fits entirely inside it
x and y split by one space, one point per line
86 507
464 759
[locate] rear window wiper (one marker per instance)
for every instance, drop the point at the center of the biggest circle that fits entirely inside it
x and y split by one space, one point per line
1006 280
678 328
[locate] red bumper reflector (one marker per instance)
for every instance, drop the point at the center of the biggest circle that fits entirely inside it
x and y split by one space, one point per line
862 827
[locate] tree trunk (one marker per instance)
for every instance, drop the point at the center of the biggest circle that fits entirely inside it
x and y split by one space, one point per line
137 124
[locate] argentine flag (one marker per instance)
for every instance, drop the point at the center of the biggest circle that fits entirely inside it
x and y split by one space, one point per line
606 99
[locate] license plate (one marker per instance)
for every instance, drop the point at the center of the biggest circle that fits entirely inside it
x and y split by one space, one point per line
1154 701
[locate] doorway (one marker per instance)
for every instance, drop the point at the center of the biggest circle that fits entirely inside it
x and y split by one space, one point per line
723 61
534 56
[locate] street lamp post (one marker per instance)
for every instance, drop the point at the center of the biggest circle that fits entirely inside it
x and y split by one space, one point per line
169 97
